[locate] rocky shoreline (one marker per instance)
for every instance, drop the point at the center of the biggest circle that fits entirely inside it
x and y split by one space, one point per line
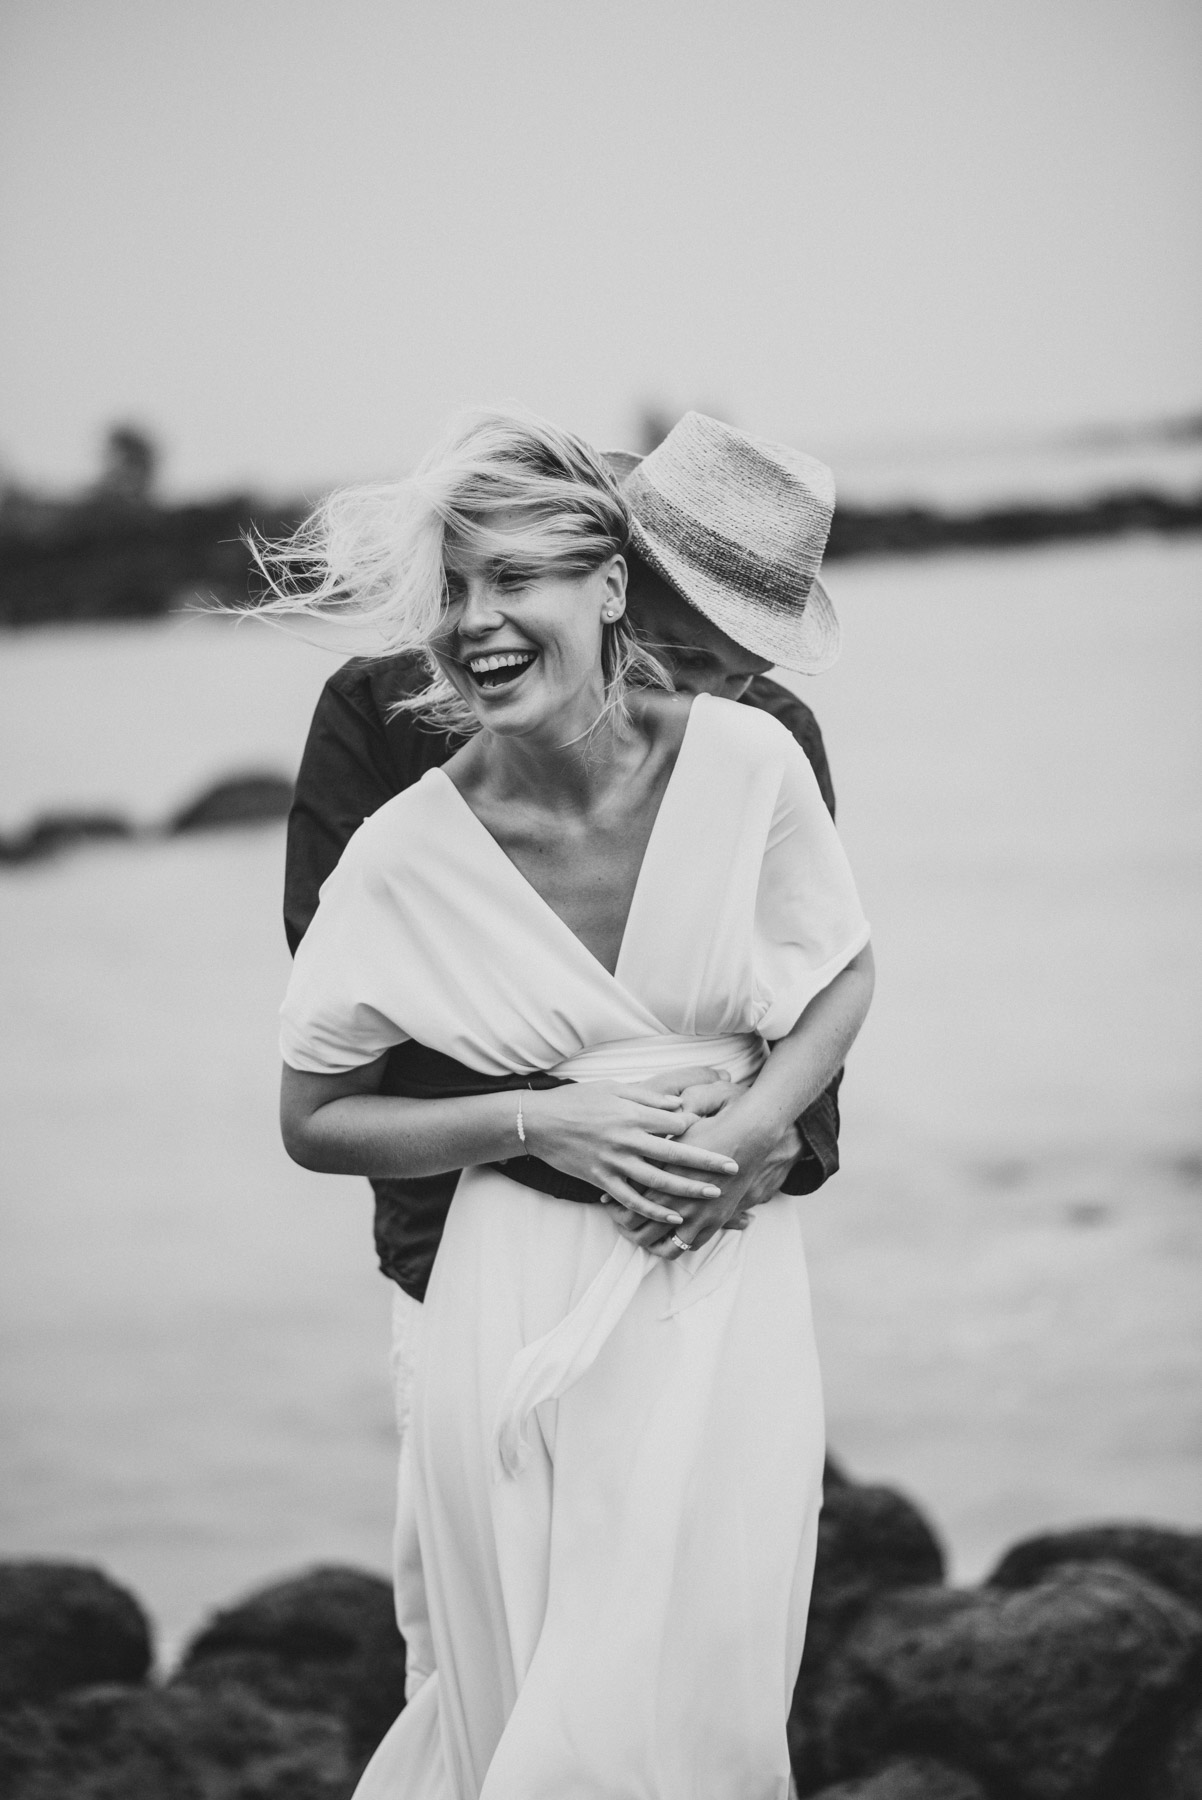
1073 1672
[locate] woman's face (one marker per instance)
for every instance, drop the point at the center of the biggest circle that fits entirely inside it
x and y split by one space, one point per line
523 648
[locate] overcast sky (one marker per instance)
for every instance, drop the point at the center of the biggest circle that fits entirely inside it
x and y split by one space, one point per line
289 235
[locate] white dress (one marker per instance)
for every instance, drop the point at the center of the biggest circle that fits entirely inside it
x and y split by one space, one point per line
617 1461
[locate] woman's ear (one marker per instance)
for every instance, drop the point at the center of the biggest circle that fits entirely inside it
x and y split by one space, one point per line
613 602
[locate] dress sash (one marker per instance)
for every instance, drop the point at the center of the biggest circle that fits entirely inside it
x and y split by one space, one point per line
550 1365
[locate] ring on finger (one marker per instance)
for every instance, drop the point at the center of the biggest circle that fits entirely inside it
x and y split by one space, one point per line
680 1243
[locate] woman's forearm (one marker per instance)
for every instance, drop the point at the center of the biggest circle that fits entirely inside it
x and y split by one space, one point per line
622 1140
385 1135
804 1062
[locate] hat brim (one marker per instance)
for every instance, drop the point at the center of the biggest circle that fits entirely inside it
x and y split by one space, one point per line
804 637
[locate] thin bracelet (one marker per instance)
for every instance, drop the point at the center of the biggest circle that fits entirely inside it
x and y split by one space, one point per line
520 1122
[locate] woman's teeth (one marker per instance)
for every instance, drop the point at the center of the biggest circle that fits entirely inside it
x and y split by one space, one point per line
503 666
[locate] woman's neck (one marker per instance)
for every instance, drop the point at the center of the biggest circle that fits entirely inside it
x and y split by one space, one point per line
573 775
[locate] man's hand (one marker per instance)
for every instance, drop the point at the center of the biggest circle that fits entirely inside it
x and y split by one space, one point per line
702 1091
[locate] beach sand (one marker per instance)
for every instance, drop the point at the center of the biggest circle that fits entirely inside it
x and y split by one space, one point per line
1006 1272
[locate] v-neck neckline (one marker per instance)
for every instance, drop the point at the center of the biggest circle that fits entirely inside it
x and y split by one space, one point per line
648 848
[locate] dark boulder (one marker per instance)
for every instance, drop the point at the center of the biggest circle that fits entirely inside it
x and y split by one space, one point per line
120 1743
908 1778
324 1641
833 1474
1173 1559
63 1625
1062 1691
870 1540
242 800
1176 1773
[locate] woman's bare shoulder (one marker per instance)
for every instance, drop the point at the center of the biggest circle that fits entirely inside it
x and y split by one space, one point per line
661 718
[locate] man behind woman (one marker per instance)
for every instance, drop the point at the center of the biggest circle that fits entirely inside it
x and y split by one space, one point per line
617 1437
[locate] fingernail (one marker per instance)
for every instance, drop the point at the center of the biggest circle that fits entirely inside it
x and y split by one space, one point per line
676 1218
711 1192
732 1168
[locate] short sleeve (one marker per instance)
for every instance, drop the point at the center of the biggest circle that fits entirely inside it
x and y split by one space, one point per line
808 920
340 1008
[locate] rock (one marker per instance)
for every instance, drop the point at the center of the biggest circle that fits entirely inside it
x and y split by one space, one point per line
833 1474
324 1641
1061 1691
909 1778
120 1743
59 831
1173 1559
1177 1772
63 1625
870 1540
242 800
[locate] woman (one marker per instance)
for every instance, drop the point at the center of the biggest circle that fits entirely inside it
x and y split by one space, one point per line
617 1429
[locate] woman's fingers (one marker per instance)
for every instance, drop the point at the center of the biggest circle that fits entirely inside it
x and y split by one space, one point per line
663 1181
670 1154
629 1197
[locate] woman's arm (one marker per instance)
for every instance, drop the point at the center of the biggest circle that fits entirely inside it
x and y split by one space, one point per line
605 1133
799 1066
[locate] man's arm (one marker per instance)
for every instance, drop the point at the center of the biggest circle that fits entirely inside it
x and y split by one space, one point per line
818 1127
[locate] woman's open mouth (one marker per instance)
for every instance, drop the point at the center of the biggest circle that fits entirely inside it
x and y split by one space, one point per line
501 669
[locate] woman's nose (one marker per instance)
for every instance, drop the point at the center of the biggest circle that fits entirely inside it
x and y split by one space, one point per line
480 613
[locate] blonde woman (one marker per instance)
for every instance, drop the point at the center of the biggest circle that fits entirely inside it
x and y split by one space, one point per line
616 1432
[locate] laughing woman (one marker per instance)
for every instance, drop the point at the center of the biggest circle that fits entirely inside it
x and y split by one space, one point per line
617 1429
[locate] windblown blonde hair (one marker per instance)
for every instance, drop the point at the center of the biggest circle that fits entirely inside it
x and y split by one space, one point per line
498 485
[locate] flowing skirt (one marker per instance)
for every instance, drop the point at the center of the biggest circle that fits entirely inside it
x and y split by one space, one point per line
619 1609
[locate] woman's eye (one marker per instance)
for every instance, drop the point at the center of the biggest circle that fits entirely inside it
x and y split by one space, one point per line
512 581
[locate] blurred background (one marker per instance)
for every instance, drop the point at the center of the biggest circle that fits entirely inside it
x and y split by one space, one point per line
253 248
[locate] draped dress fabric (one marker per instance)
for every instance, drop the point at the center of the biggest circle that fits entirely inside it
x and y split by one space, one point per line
616 1460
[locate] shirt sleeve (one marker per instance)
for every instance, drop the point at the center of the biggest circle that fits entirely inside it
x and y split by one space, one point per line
808 921
784 706
340 1008
344 776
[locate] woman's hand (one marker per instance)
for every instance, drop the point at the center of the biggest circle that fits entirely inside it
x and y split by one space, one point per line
763 1166
625 1138
733 1130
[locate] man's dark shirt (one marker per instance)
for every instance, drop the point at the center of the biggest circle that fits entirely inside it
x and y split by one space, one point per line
355 759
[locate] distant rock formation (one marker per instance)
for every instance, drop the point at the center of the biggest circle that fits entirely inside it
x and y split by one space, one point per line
253 799
109 555
51 832
918 530
256 798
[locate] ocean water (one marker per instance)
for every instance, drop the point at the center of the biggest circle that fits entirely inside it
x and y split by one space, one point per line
193 1376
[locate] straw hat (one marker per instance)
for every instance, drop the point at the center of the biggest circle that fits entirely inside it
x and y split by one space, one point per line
738 526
